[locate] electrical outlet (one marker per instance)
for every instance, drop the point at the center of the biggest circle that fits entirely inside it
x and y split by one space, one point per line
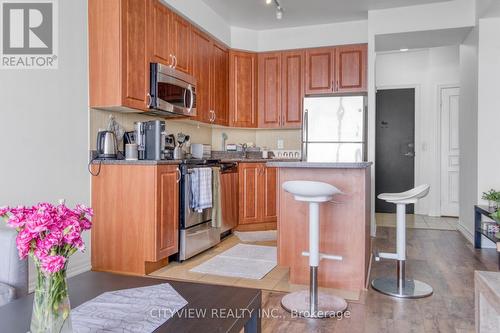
281 144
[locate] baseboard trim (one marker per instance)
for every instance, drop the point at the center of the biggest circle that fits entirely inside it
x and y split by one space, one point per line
465 232
485 242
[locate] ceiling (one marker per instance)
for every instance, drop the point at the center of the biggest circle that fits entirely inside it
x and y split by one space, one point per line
420 39
255 14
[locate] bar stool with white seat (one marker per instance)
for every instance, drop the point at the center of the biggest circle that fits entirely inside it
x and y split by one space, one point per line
400 286
313 304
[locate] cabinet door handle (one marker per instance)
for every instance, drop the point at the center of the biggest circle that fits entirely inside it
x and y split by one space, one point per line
215 116
333 85
337 85
171 65
175 61
178 175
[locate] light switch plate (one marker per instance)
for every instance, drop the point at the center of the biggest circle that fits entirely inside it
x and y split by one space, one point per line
281 144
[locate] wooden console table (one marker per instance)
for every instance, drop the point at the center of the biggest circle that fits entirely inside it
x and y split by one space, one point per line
480 211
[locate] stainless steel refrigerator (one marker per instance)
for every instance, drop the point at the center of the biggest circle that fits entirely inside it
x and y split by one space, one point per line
334 129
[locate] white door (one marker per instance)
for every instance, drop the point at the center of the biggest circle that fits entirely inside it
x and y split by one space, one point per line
450 151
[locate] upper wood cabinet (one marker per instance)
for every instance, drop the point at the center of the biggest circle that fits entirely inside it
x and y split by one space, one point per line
352 68
281 89
219 87
257 193
181 49
292 83
269 90
160 36
336 69
201 48
118 66
320 70
242 89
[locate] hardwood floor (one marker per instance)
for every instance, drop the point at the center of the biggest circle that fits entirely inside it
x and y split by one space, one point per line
444 259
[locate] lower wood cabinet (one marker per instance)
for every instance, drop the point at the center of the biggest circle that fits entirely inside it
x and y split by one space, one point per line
257 193
136 220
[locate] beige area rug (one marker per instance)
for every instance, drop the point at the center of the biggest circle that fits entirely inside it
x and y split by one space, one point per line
242 261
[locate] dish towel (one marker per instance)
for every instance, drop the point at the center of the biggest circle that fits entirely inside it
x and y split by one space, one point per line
216 209
201 189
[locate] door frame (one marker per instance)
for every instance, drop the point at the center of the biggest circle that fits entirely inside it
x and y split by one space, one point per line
439 173
418 143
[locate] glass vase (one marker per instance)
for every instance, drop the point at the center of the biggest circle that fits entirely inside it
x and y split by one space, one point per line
51 308
492 204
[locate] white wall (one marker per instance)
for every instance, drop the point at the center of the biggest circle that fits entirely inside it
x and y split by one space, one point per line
468 131
488 118
44 118
435 16
424 70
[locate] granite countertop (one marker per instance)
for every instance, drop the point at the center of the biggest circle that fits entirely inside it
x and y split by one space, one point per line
256 160
137 162
319 165
163 162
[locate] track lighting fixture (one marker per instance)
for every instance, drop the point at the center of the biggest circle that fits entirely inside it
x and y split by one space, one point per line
279 9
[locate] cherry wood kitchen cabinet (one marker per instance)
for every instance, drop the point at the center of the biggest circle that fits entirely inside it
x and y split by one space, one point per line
219 87
160 34
351 68
257 194
181 48
281 89
242 89
165 233
320 70
292 88
340 69
201 48
269 90
136 217
118 70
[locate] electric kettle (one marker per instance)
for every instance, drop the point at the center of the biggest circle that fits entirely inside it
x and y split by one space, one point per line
106 145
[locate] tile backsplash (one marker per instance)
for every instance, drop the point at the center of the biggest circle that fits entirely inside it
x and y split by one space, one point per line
200 133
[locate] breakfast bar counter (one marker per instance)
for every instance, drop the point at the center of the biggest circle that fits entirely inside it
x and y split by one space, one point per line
344 223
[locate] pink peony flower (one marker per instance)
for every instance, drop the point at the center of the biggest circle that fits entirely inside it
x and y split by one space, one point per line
84 210
23 242
4 210
53 264
49 233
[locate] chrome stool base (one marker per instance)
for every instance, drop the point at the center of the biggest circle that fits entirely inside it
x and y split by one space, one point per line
410 289
298 304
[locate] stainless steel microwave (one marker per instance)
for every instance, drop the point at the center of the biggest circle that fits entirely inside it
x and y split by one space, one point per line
172 93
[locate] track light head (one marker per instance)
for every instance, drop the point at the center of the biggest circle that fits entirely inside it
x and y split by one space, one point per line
279 13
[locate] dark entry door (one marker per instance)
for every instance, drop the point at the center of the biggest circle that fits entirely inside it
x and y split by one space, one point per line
395 145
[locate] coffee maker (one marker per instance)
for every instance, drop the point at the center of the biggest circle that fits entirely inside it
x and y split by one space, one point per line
154 133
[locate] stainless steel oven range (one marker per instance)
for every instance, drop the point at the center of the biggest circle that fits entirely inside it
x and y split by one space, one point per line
196 233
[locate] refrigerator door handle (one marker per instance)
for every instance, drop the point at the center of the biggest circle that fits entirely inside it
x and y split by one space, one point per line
305 136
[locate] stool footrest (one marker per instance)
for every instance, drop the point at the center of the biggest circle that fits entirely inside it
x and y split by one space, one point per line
385 255
325 256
